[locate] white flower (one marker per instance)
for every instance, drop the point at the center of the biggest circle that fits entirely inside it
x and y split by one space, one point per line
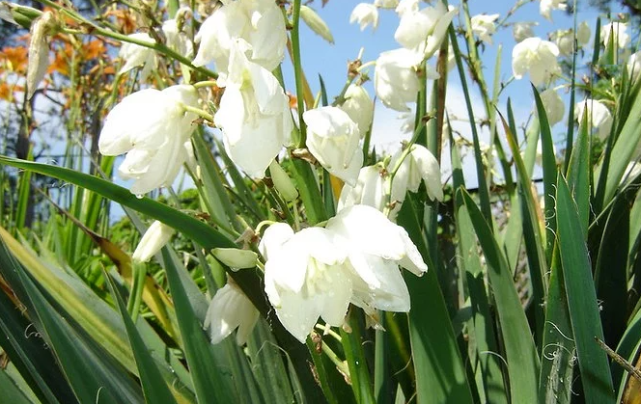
375 247
553 105
38 51
228 310
386 3
564 39
259 22
138 55
599 117
254 114
151 126
483 25
318 272
523 30
621 36
583 33
177 39
634 65
154 239
406 6
419 165
304 278
546 7
332 137
369 190
423 31
537 57
364 14
359 107
395 79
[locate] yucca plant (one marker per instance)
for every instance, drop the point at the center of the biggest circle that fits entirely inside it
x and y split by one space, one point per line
277 278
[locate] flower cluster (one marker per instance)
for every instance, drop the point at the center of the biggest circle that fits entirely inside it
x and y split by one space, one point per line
318 272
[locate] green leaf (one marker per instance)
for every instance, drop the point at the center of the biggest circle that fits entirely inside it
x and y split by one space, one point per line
355 357
582 300
154 387
434 349
193 228
10 392
211 385
520 352
93 374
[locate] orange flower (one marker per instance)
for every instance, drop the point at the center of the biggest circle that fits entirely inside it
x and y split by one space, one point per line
14 59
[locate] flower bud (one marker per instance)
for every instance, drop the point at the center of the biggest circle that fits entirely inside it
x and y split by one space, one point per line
39 51
282 182
236 258
17 14
155 238
316 23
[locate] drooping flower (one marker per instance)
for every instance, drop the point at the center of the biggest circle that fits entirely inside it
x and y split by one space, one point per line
152 127
583 33
395 79
364 14
359 107
304 279
547 6
230 309
423 31
332 137
369 190
553 105
154 239
136 55
39 51
375 248
634 65
419 165
259 22
177 39
386 3
564 39
523 30
318 272
620 30
598 115
536 57
484 26
254 114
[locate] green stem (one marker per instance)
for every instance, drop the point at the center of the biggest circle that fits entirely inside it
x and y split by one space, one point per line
199 112
298 71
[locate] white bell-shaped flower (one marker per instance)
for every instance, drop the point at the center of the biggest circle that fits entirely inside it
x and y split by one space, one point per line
599 116
254 114
364 14
536 57
259 22
360 107
547 6
395 79
333 138
634 65
564 39
369 190
620 32
137 55
375 247
152 127
583 33
419 165
304 279
423 31
177 39
553 105
154 239
230 309
386 3
523 30
484 26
